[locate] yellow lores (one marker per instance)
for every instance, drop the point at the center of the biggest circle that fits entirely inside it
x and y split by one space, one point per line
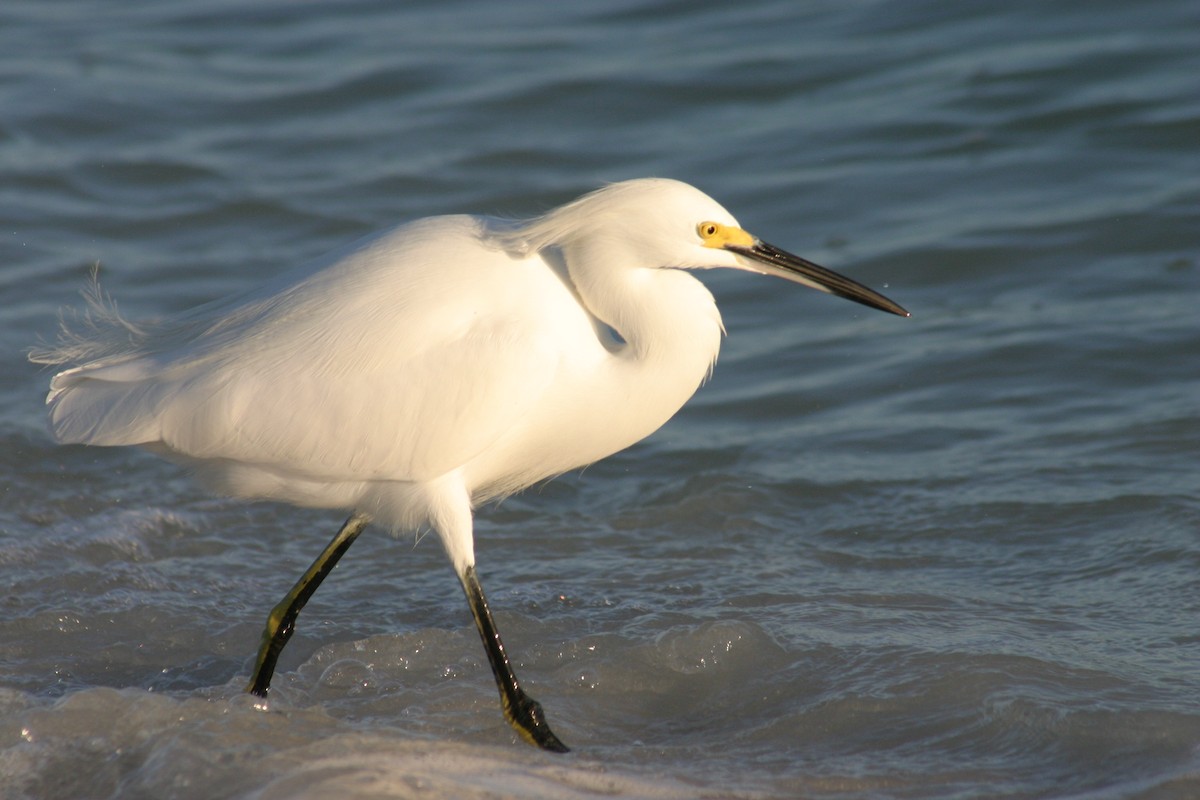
719 236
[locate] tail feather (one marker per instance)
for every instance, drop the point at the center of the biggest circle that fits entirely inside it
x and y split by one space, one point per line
85 410
98 401
97 332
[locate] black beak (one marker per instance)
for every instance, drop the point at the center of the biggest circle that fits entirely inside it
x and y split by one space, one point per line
801 270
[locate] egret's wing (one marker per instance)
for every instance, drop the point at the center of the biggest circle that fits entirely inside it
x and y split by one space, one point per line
401 361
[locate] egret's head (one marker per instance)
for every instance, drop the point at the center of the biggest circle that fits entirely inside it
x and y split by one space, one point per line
643 223
663 223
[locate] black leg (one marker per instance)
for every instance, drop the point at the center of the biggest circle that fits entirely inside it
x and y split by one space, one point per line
281 622
522 711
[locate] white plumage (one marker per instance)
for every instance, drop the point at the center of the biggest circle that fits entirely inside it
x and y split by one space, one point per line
432 367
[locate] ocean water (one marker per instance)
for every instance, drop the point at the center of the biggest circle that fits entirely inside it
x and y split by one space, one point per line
954 556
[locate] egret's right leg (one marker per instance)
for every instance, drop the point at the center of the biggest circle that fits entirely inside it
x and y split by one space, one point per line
281 622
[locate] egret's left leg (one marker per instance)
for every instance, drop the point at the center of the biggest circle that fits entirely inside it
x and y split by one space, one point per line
522 711
281 622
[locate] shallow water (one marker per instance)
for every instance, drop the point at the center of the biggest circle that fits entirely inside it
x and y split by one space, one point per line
951 556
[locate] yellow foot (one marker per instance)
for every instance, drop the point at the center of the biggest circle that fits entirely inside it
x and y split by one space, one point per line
525 715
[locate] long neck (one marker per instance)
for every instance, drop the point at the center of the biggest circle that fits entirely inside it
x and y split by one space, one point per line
670 327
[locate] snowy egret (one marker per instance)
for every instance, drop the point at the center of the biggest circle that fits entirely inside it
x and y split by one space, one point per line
428 369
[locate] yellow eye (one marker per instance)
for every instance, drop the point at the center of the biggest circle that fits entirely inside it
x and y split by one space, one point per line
720 237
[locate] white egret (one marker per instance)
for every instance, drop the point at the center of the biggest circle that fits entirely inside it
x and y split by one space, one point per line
425 370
